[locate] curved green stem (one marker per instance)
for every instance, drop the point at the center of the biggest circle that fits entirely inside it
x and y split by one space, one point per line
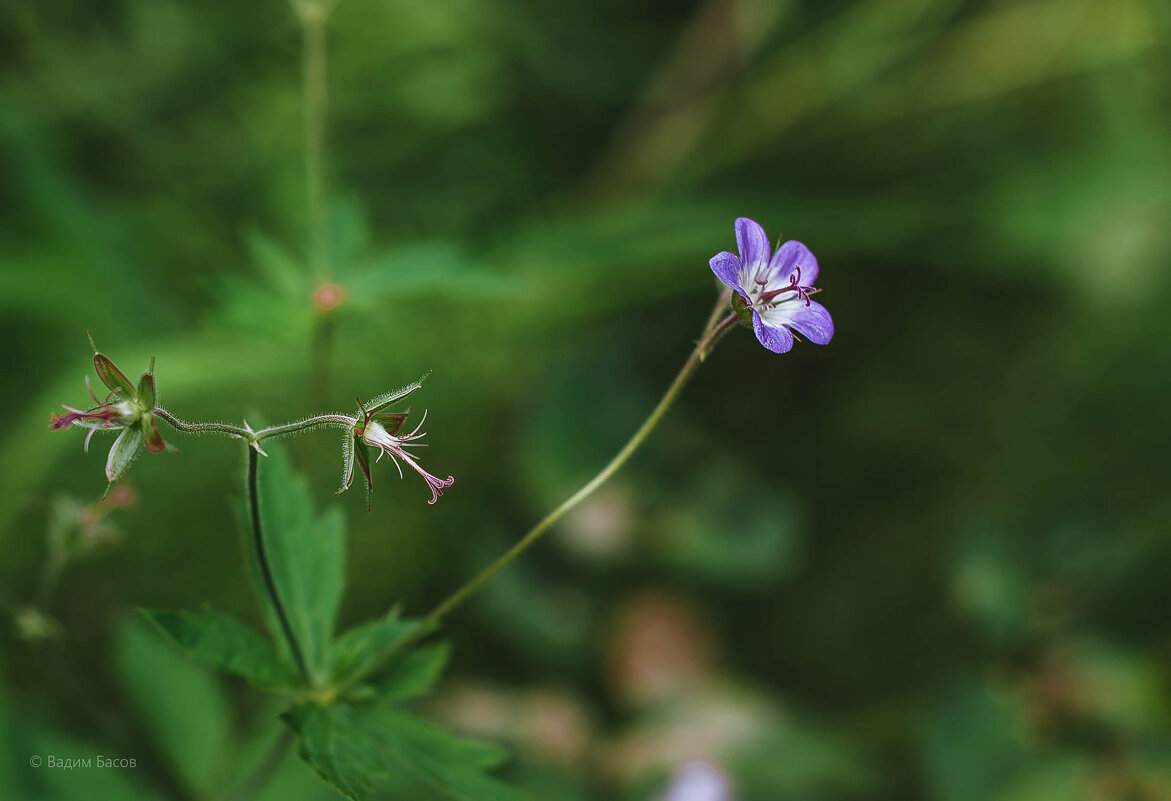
713 332
254 437
309 423
200 428
620 458
266 569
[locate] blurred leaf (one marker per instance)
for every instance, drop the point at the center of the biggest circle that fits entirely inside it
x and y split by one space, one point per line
180 703
350 747
453 764
355 650
307 556
414 674
333 742
973 744
1059 779
226 644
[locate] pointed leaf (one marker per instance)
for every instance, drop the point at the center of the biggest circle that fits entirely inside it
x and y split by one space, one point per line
349 747
123 453
146 391
226 644
414 674
451 764
279 266
180 703
113 378
306 554
356 651
336 747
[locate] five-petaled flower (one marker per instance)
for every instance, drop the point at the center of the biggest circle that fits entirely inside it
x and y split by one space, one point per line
775 288
127 408
379 430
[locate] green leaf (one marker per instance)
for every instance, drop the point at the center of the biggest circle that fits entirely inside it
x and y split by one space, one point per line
113 378
179 702
451 764
226 644
279 267
307 557
349 747
356 651
414 674
333 742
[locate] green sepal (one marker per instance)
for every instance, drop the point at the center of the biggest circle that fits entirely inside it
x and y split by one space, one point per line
146 391
382 401
113 378
362 450
122 453
150 434
347 461
391 422
742 309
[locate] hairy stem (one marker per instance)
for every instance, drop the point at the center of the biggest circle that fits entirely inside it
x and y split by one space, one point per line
253 437
266 569
713 332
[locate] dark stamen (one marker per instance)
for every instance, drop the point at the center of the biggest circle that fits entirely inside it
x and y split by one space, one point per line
794 286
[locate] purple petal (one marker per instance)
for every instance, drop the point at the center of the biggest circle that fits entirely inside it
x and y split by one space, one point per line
753 244
777 339
812 322
727 266
789 255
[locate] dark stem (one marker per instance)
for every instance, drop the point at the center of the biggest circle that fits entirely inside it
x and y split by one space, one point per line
266 568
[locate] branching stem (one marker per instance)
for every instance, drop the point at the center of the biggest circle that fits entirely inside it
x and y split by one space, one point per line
713 332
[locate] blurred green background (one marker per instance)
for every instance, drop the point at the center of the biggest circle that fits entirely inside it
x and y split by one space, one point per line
928 561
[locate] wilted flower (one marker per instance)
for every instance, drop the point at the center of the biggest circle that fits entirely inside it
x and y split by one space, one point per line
379 430
127 408
775 288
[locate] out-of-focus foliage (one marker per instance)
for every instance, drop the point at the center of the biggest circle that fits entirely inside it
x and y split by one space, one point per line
926 561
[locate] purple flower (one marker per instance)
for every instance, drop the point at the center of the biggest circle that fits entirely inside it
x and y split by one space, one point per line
775 287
